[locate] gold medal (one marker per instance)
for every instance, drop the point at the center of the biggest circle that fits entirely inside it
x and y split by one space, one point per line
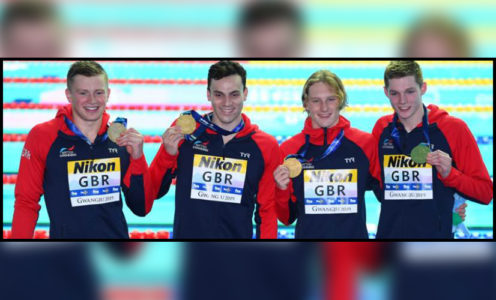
419 154
115 130
294 167
187 124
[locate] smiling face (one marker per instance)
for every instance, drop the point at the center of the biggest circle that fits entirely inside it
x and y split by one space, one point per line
88 96
227 96
278 38
322 105
405 96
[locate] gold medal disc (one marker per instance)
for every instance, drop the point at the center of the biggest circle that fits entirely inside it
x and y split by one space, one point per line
187 124
294 167
115 130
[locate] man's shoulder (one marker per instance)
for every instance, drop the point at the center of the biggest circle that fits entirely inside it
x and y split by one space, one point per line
385 120
292 145
45 129
382 123
262 136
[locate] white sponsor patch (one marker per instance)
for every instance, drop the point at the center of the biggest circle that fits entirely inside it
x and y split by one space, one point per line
330 191
218 179
94 182
406 180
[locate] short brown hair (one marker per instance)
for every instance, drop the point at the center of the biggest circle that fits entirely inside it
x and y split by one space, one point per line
27 12
226 68
330 79
403 68
446 29
85 68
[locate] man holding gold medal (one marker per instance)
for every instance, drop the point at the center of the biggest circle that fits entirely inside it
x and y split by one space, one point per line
81 165
328 167
426 156
223 164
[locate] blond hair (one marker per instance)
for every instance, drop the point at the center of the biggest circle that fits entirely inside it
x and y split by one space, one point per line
330 79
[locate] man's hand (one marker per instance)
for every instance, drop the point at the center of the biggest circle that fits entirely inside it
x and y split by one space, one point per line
133 141
281 176
171 139
461 211
442 161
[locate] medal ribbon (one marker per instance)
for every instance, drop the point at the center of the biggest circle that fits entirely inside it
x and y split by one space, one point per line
207 123
395 134
331 149
78 132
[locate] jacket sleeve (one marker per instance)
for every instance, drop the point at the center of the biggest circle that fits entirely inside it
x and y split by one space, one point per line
374 183
162 171
470 177
265 217
287 210
285 200
138 188
29 186
344 262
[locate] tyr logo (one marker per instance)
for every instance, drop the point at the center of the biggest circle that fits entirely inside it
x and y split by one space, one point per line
349 160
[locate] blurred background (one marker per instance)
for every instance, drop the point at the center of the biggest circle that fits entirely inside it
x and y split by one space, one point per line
235 270
247 28
151 94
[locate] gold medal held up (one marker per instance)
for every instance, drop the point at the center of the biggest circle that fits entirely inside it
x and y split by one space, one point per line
115 130
294 167
187 124
419 154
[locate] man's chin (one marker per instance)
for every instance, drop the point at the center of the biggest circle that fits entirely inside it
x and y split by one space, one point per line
91 118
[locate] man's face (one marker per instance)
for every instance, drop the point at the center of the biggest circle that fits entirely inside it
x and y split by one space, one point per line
88 96
227 96
274 39
434 45
322 105
405 96
33 39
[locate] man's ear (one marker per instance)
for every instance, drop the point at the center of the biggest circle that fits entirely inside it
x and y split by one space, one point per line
68 95
423 88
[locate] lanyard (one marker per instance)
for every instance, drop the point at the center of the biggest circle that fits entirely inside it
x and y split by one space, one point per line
207 123
78 132
395 134
331 149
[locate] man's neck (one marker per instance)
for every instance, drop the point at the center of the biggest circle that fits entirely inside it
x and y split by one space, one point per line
411 123
88 128
228 127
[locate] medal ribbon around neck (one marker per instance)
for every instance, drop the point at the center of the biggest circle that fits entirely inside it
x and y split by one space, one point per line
331 149
395 134
78 132
206 122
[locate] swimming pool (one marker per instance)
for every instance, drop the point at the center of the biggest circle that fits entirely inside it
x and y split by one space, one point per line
152 94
